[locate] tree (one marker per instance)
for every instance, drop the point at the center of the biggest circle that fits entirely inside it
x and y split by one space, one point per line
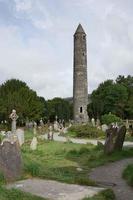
15 94
128 83
59 107
111 97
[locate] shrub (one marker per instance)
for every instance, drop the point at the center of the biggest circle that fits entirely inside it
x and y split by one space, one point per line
85 131
109 118
128 174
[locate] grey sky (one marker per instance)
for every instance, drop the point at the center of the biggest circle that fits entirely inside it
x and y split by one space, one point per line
36 42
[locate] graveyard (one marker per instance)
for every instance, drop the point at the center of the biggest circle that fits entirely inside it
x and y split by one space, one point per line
54 150
38 157
66 100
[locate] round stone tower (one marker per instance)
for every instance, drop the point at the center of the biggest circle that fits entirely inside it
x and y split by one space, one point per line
80 84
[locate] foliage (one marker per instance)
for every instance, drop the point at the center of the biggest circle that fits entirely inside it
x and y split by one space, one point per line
85 131
128 174
15 94
14 194
113 96
60 108
103 195
110 118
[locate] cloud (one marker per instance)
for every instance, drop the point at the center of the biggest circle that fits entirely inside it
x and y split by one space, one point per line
23 5
37 42
34 11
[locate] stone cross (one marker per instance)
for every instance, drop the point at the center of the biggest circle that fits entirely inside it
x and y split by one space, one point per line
13 117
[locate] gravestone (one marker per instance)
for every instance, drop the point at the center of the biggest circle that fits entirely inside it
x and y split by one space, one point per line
65 130
41 123
93 122
20 135
56 126
13 117
35 128
97 122
50 133
121 132
10 160
33 145
31 125
104 127
114 139
3 133
127 124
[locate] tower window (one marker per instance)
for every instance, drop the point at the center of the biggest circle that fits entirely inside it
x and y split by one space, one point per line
83 37
81 109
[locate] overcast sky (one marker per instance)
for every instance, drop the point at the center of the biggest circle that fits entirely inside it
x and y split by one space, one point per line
36 42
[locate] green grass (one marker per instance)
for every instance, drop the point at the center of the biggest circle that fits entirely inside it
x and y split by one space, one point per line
59 161
14 194
128 174
104 195
129 138
50 161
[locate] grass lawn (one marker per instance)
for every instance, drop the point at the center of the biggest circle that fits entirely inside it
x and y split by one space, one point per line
62 161
14 194
128 174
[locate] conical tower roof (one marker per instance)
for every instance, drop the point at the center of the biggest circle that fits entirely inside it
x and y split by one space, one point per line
80 29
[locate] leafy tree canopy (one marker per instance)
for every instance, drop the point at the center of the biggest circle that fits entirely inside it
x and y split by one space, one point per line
113 96
15 94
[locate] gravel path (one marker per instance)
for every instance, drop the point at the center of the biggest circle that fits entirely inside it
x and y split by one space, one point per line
110 176
81 141
54 190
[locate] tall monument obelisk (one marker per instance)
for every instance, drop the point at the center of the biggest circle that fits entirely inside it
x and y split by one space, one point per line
80 83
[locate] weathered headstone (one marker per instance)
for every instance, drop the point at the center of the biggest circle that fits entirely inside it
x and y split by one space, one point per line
41 123
65 130
3 133
56 126
104 127
35 128
31 125
97 122
50 133
93 122
127 124
10 160
121 133
20 135
14 118
114 139
33 145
